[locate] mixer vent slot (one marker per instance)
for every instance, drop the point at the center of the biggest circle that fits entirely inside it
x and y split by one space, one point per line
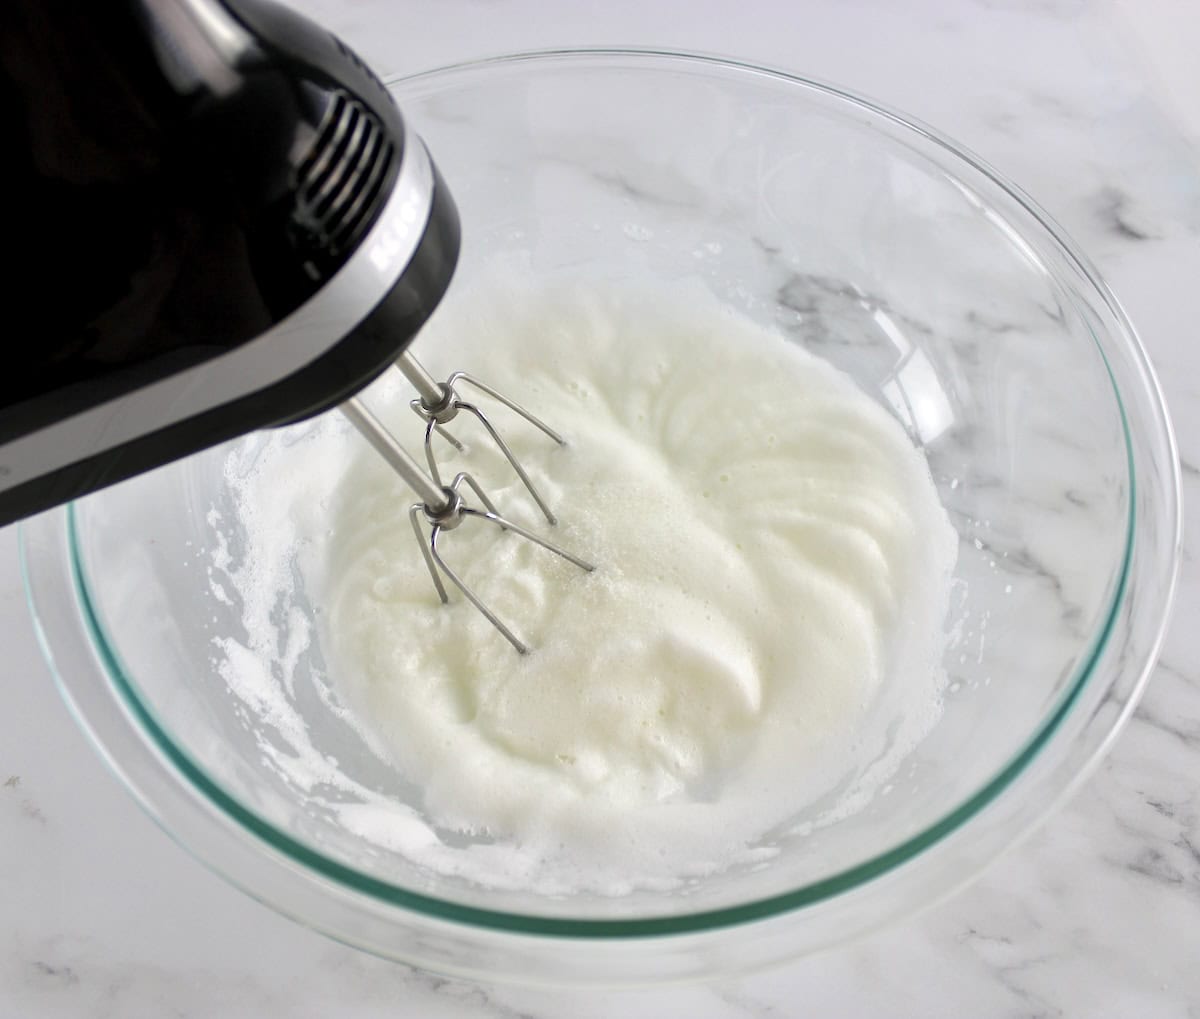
340 181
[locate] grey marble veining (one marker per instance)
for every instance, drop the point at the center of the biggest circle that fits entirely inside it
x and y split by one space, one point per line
1096 914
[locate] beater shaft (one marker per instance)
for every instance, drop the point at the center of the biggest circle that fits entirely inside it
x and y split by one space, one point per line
431 392
431 495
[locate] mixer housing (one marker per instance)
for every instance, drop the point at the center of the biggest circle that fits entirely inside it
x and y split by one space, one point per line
224 224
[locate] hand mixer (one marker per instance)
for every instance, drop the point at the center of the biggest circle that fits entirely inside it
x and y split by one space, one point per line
220 222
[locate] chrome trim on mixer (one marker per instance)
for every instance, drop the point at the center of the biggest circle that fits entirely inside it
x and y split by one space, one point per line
312 329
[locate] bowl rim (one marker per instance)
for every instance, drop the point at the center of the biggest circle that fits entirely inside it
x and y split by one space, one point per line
826 888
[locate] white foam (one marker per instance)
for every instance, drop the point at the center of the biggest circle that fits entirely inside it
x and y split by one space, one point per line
773 565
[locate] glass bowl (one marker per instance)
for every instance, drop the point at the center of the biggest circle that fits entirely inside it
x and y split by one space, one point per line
876 244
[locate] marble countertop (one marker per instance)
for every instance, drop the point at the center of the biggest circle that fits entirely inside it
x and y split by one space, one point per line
1090 106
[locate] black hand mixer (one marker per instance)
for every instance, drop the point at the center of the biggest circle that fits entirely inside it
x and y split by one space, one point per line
217 221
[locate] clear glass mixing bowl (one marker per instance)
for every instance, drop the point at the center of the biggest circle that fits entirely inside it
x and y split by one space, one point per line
874 243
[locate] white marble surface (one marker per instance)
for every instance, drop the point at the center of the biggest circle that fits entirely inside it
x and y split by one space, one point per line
1091 106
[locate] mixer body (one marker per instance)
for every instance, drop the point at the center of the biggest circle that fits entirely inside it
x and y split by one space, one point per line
223 223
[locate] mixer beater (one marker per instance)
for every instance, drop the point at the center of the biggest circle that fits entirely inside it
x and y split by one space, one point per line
443 506
439 403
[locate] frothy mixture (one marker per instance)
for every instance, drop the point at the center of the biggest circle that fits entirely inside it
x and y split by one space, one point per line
764 627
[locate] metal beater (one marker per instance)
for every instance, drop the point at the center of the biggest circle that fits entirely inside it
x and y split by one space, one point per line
438 404
443 506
